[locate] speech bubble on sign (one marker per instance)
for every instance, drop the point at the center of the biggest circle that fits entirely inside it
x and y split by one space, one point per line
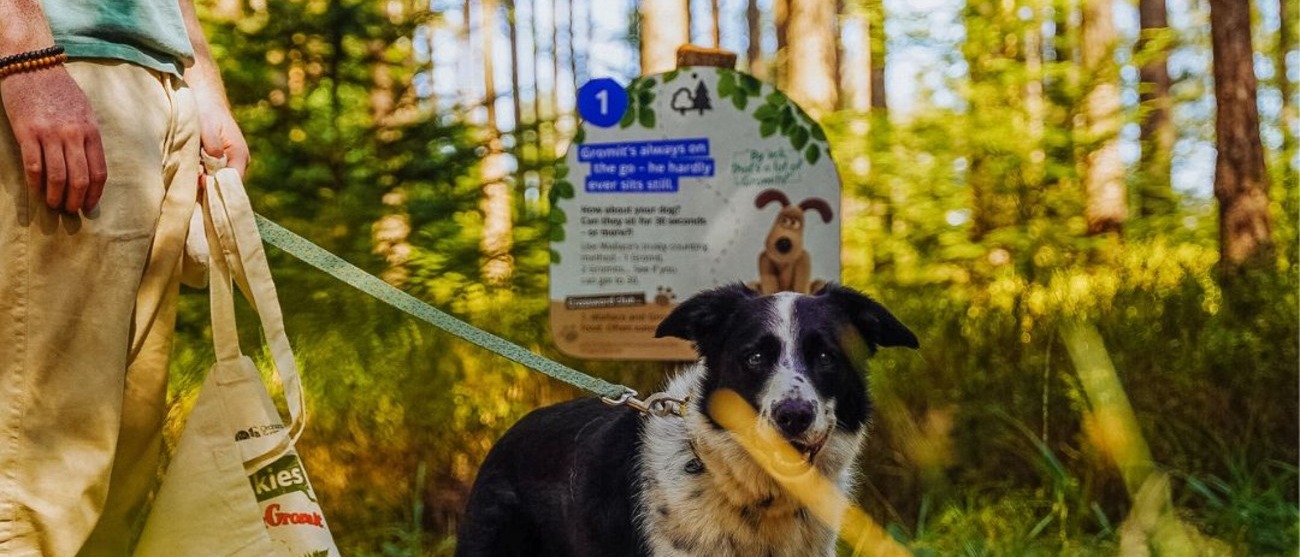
675 184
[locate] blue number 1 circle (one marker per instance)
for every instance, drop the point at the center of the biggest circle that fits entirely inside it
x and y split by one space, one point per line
602 101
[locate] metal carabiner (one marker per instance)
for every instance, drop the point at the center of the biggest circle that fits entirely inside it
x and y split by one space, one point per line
658 404
662 405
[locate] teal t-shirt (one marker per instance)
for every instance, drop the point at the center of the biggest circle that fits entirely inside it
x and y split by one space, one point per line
150 33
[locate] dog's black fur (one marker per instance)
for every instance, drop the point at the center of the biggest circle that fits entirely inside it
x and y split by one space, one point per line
567 480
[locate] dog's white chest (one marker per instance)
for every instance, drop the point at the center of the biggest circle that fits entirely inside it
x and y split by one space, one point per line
724 512
697 521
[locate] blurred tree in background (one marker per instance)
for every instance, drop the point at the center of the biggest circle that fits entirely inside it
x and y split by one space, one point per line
986 202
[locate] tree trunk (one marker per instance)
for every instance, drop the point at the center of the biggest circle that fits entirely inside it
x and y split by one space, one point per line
665 25
390 235
1155 190
1240 181
495 205
553 95
716 11
857 64
1286 40
573 47
516 103
433 26
538 115
1036 115
467 68
780 68
837 38
1106 205
1062 191
995 175
812 78
876 23
754 52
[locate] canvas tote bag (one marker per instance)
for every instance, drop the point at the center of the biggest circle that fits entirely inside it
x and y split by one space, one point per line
235 486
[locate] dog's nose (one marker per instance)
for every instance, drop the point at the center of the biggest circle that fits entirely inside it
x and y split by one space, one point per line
783 245
793 416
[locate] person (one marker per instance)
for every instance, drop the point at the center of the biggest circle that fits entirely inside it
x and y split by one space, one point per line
106 105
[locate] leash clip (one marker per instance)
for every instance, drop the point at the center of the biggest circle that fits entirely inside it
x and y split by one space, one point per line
659 404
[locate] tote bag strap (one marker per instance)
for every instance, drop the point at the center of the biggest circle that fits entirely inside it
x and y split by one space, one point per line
225 334
243 257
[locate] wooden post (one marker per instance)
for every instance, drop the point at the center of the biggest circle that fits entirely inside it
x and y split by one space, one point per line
692 55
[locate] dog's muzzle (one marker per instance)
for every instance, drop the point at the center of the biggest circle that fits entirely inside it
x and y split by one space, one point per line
793 419
793 416
783 245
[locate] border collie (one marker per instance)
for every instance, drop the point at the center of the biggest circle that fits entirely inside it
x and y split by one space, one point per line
584 479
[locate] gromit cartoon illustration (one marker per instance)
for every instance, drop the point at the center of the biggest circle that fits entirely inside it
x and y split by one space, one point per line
784 264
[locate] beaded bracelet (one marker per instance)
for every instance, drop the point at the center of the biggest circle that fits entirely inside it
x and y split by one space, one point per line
32 60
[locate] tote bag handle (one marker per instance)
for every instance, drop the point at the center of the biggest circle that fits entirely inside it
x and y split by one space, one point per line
237 253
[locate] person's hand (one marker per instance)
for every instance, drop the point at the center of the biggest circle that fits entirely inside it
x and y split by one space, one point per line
58 135
219 134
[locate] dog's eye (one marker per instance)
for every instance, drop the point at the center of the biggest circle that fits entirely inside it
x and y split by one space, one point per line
824 358
754 359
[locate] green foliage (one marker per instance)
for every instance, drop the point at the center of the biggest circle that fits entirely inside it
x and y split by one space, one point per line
1252 505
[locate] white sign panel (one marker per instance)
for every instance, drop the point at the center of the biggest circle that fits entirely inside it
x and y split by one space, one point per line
678 183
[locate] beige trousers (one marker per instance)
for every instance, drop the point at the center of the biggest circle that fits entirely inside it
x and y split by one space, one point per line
87 308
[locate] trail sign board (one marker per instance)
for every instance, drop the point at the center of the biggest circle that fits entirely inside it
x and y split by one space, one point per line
677 183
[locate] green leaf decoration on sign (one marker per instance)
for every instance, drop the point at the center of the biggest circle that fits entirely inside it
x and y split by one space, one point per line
738 87
787 121
553 194
555 257
740 99
726 84
778 113
798 137
812 154
640 101
563 189
671 75
633 101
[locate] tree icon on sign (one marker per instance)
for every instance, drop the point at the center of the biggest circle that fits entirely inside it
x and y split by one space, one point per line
685 101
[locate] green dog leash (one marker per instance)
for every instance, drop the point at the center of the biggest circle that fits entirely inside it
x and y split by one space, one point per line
337 267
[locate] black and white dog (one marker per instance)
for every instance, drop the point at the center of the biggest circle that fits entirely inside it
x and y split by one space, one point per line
585 479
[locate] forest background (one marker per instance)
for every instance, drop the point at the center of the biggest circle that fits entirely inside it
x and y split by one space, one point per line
1014 172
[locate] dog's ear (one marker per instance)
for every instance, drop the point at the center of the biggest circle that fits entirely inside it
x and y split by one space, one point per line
703 313
818 204
877 326
769 195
